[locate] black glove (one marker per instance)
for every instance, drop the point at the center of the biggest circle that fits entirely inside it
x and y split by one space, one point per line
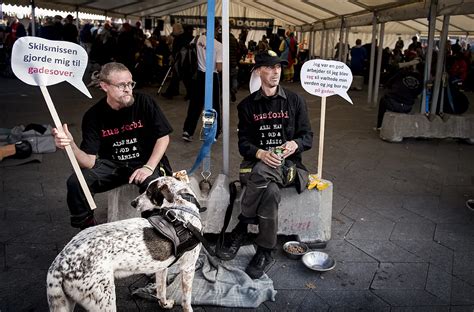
22 150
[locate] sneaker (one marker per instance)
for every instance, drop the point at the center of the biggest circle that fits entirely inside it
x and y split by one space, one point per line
187 137
232 245
260 261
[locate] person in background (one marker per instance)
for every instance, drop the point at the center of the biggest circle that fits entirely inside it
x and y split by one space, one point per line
196 102
358 58
69 30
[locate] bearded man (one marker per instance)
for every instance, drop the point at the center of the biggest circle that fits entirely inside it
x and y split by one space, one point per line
124 139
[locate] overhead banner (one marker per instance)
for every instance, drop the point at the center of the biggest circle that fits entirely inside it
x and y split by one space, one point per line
234 22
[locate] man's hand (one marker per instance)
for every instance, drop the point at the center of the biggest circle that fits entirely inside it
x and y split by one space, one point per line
61 140
269 158
289 148
140 175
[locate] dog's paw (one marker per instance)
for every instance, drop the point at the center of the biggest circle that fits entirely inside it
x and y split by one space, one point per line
167 303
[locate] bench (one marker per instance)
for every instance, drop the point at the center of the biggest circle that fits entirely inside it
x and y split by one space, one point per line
397 126
307 215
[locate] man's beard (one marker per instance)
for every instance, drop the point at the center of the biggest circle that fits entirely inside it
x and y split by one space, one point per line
127 103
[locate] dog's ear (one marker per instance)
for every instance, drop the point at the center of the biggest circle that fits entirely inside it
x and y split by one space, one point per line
166 192
154 194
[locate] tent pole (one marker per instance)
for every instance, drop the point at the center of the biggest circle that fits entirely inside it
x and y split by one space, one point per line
346 45
372 54
378 69
33 18
321 48
225 86
326 45
341 48
440 63
429 53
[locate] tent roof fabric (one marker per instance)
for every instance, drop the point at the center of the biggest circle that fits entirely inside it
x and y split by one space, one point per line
305 15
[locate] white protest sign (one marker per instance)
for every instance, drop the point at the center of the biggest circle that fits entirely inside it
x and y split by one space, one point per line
40 62
325 78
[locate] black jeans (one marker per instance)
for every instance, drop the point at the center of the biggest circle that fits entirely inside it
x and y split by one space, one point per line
261 200
389 104
104 176
196 102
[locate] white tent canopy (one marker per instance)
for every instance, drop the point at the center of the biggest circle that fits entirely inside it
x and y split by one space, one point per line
404 18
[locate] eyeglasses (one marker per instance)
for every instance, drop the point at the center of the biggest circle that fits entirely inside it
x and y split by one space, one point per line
123 86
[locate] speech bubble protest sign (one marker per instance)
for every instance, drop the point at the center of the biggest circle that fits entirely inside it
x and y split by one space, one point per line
41 62
325 78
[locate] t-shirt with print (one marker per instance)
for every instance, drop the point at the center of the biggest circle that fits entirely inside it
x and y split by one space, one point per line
127 135
268 118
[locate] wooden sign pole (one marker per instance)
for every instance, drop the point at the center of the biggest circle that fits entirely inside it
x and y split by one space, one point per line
70 153
321 137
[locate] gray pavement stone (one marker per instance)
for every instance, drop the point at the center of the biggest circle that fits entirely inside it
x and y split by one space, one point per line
431 252
462 292
25 289
413 231
400 276
340 226
465 308
408 297
459 237
370 230
359 212
439 283
297 300
292 275
464 266
384 251
342 250
421 309
345 276
361 300
29 256
9 231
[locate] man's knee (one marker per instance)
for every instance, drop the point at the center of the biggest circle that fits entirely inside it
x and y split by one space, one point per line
270 202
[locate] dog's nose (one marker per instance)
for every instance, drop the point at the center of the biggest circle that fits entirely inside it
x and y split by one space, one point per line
134 203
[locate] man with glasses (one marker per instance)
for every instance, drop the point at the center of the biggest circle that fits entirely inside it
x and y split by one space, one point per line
273 130
124 139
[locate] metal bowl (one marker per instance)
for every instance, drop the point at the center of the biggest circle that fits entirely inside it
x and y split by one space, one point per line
289 247
319 261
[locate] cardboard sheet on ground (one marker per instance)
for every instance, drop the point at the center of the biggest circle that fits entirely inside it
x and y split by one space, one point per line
40 62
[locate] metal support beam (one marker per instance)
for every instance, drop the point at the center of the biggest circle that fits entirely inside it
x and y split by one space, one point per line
378 69
33 18
321 48
429 54
372 54
440 64
225 87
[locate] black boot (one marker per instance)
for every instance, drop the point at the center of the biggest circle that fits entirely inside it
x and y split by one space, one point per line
233 242
262 259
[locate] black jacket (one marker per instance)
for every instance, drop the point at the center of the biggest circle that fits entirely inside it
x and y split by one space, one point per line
297 127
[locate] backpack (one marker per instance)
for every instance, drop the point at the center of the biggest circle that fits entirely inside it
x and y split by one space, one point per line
187 60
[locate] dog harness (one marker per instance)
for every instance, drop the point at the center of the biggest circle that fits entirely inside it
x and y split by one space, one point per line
181 234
